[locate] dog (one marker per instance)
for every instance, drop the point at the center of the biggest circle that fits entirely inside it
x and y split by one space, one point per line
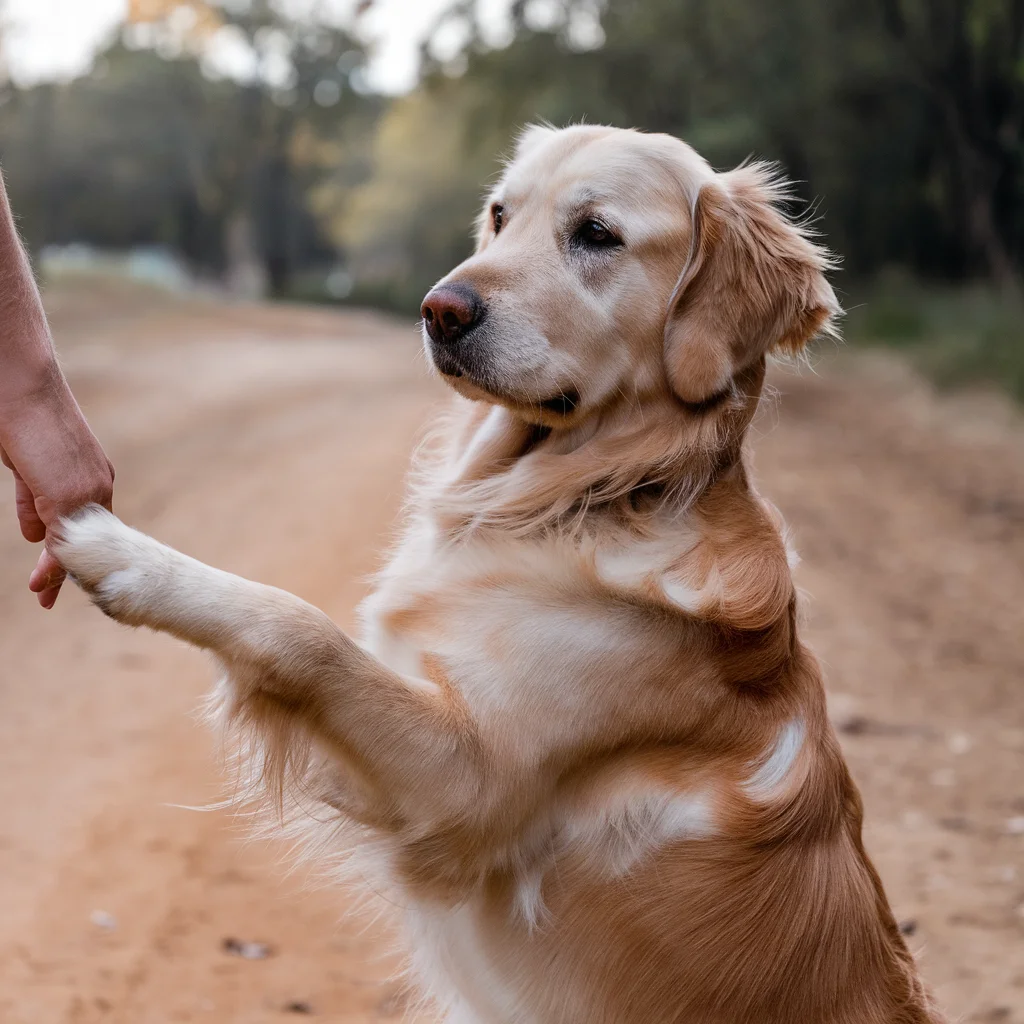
581 744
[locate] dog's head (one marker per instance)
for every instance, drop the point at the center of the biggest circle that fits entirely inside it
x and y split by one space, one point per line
612 265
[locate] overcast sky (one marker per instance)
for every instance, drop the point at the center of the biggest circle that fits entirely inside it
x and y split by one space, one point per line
57 38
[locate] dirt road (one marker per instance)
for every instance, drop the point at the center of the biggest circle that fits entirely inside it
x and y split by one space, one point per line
272 442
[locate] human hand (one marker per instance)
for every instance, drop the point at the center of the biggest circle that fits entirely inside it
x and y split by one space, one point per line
58 467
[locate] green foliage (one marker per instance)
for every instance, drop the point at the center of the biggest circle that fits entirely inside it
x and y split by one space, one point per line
147 149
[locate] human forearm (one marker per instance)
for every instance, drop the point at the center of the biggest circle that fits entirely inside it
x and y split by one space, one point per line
28 366
57 463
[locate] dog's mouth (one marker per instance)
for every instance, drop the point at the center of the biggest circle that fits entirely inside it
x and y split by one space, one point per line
449 365
564 403
446 363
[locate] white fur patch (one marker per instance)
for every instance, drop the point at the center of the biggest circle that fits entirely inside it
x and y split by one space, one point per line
692 599
115 560
792 555
627 826
679 593
450 957
122 583
613 832
769 777
529 897
633 564
644 563
492 429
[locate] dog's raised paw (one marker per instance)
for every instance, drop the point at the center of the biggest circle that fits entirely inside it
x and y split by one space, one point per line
114 564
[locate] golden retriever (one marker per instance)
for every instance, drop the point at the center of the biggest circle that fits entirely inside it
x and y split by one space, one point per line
581 743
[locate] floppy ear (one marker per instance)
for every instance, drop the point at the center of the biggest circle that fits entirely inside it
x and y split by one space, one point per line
754 283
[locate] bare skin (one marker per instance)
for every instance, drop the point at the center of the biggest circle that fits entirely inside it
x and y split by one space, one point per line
57 462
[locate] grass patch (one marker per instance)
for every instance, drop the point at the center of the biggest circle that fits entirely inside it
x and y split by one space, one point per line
957 336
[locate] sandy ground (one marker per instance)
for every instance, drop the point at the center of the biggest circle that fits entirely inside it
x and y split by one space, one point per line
272 442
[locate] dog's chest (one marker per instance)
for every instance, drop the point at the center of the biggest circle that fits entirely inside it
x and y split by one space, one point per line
497 617
485 617
509 619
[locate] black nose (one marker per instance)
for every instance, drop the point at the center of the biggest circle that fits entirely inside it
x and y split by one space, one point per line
451 311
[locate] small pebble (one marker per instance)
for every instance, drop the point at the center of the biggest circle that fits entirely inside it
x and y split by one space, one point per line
955 824
913 819
997 1013
298 1006
246 950
853 725
1015 826
960 743
103 919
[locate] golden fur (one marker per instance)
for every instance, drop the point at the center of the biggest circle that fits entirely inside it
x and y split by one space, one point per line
582 742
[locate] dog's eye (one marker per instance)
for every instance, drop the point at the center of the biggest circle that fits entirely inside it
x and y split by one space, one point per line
595 235
497 216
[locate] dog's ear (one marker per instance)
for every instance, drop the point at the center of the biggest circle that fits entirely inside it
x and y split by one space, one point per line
754 283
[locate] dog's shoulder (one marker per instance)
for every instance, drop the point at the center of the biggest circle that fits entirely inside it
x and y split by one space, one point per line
727 561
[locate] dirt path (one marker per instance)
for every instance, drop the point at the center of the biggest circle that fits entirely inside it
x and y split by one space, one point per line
272 442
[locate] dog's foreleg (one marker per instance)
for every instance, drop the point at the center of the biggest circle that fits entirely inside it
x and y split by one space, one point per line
284 654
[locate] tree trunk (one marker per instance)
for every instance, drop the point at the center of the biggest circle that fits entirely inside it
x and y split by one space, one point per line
980 175
275 216
245 274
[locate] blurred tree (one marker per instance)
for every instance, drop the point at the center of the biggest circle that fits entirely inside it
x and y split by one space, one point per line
300 67
109 159
432 154
967 56
197 19
155 145
901 120
852 97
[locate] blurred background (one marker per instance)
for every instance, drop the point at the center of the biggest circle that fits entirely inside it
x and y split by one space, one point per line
234 208
336 151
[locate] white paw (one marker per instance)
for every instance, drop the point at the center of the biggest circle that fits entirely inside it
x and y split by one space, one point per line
116 565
